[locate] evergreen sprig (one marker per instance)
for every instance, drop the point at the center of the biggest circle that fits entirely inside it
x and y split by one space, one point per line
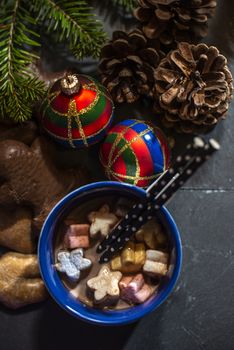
20 23
129 5
75 23
18 88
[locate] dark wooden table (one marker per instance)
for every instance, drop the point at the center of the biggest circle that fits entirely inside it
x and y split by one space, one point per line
199 313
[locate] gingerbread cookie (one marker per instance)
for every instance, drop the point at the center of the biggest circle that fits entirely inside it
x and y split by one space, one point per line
20 282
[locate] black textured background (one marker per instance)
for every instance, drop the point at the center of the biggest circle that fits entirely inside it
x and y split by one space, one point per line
199 314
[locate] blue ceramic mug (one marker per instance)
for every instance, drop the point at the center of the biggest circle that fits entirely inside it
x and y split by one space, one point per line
51 277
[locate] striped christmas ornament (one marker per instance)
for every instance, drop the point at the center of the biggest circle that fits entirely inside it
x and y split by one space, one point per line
77 111
135 152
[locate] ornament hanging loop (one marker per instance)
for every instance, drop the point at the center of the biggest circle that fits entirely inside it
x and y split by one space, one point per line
70 84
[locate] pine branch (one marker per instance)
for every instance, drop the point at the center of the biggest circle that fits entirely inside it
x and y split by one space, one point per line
18 104
129 5
16 41
19 24
75 23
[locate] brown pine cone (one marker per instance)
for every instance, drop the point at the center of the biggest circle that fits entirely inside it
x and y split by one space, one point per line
127 66
173 21
193 88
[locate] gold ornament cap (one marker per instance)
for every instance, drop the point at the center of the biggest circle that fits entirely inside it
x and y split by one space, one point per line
70 84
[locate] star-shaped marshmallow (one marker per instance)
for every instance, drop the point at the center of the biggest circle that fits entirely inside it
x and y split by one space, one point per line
72 263
105 285
102 221
151 234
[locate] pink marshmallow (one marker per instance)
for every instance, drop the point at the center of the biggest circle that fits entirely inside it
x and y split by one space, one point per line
136 283
131 285
78 230
125 282
143 294
77 236
77 242
134 289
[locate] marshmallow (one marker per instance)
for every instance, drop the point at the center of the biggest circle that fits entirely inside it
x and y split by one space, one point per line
121 211
151 234
77 236
122 207
125 282
131 258
157 255
102 221
134 289
134 284
72 263
116 263
128 254
105 285
156 263
139 254
154 268
144 293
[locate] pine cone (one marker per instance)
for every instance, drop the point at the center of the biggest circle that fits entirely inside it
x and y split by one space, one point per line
127 66
173 21
193 88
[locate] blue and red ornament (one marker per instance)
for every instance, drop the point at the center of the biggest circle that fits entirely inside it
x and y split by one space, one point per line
77 111
135 152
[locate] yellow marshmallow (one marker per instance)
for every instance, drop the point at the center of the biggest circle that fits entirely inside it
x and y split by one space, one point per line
131 259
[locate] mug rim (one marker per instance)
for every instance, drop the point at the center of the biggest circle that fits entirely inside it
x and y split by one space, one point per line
104 319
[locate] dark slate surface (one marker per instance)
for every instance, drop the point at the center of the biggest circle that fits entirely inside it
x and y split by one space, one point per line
199 313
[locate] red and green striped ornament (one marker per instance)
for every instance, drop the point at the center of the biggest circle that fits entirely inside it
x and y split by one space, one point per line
135 152
77 111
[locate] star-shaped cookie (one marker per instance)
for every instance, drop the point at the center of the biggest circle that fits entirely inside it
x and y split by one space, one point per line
105 284
71 263
102 221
